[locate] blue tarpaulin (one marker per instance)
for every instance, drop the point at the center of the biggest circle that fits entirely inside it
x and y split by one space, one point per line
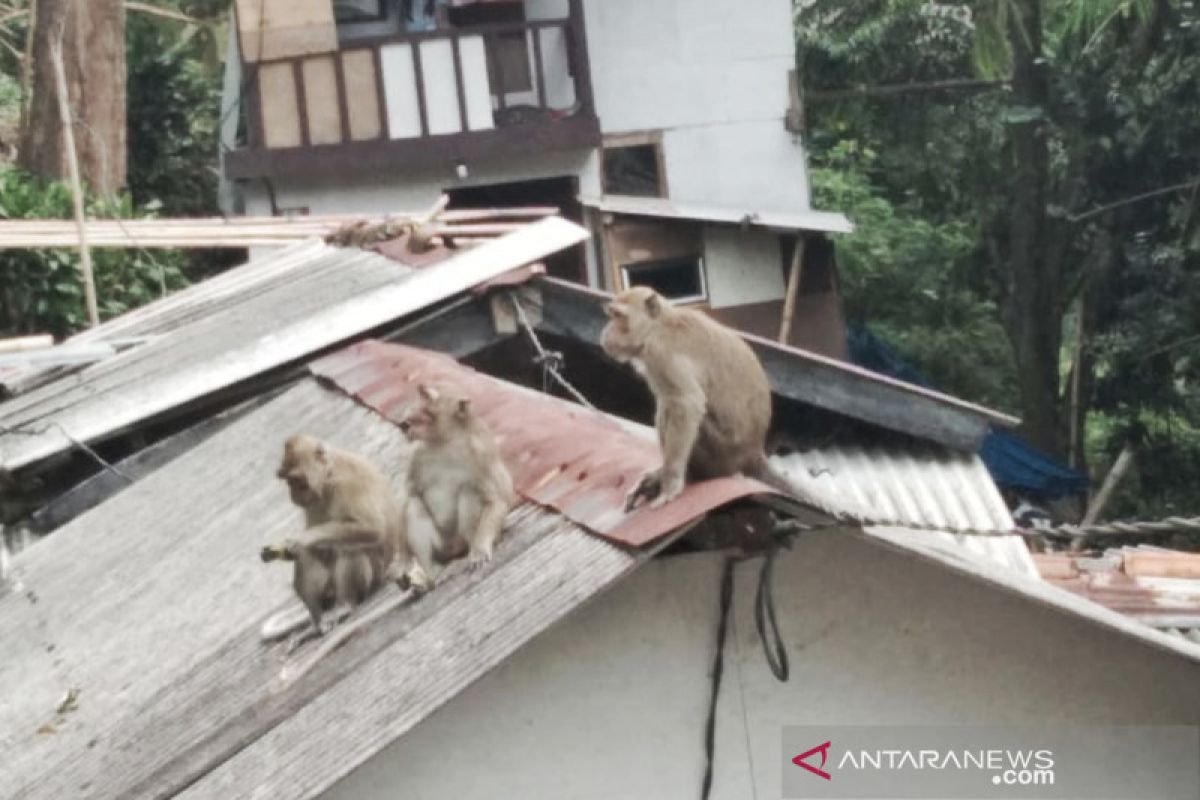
1013 463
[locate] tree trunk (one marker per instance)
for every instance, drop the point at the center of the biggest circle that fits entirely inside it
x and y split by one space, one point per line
93 44
1033 315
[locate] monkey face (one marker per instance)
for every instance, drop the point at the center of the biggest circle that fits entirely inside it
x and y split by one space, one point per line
437 417
632 316
304 459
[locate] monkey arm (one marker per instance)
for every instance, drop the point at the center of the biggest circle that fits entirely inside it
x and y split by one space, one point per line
680 412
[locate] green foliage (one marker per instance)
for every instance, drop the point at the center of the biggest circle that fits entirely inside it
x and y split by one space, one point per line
41 290
928 179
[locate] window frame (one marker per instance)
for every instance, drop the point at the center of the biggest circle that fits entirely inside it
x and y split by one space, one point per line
698 260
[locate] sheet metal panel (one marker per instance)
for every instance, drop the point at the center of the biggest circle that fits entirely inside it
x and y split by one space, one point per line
325 296
561 455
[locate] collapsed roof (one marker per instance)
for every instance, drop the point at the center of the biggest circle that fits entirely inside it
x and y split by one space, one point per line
148 606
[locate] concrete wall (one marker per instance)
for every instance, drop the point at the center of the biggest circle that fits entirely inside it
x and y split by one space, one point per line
713 76
612 703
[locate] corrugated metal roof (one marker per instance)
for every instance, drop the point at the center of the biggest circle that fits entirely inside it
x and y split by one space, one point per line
562 455
1155 586
935 492
225 331
804 220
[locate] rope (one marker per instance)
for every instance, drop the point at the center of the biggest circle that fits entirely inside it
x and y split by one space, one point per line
1168 525
764 616
79 445
551 361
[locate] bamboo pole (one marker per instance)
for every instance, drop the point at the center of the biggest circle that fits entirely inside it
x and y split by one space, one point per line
793 290
20 344
85 253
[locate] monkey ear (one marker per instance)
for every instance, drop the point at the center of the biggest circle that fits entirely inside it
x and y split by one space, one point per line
616 311
428 392
464 408
321 452
654 305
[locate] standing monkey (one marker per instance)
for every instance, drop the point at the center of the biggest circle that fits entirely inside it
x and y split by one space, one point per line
337 486
342 569
459 490
712 399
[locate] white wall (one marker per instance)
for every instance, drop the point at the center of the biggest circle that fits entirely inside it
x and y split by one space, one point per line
612 702
713 76
388 190
742 267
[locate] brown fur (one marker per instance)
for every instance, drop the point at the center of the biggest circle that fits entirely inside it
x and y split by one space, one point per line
344 568
459 490
337 486
712 398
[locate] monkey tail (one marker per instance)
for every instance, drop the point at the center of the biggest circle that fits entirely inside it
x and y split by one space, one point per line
762 470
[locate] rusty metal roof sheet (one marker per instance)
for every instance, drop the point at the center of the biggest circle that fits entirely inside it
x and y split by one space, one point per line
562 455
1153 585
236 327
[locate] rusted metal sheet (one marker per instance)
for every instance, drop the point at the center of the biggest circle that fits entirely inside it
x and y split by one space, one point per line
564 456
1118 580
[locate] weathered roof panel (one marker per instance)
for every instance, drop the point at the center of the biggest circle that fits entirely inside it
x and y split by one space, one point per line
562 455
317 297
804 220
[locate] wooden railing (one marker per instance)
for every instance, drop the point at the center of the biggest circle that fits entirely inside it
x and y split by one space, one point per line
445 83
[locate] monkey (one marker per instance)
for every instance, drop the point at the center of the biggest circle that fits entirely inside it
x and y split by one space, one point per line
712 398
459 490
336 486
342 569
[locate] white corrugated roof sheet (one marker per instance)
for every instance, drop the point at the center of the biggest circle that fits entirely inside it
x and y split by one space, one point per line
801 220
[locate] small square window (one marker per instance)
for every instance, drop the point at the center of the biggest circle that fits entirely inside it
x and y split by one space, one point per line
680 280
633 170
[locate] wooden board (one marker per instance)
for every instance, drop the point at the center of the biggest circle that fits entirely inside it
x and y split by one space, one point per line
362 94
321 100
280 105
271 29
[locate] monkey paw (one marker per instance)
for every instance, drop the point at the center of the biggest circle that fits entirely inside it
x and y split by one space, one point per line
477 559
648 488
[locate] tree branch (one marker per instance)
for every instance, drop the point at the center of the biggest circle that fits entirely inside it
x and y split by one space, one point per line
893 89
1137 198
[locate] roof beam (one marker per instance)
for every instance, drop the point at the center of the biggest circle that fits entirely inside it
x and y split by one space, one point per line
822 382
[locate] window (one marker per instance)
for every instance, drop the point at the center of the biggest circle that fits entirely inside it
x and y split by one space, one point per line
633 169
680 280
358 10
508 52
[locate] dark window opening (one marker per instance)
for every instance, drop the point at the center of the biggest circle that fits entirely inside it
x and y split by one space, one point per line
508 53
677 279
817 276
560 193
632 170
349 11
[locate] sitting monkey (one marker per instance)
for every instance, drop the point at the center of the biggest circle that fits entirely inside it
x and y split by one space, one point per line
336 486
459 490
343 569
712 398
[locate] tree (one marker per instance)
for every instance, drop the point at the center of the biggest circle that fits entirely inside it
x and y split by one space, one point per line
92 35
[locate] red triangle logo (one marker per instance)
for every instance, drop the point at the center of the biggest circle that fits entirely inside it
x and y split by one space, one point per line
823 749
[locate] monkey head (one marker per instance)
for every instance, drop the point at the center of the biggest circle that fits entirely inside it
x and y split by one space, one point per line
304 468
437 416
632 317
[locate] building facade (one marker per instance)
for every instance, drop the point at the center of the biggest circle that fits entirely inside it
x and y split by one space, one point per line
668 128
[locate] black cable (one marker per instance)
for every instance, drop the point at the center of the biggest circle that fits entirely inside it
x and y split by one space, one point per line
764 615
718 669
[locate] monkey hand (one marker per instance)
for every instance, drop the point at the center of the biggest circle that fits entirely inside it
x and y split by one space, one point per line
478 558
648 488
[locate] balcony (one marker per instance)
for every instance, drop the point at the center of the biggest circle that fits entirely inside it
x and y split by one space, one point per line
458 95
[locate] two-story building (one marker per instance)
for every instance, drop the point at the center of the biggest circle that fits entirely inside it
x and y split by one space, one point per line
670 128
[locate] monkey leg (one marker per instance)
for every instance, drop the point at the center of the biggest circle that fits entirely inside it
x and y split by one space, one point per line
483 540
679 424
423 541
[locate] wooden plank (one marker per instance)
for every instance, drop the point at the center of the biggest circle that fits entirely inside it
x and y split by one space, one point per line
419 76
539 68
274 29
280 106
342 104
301 102
183 369
795 273
362 97
322 100
460 89
19 344
404 683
